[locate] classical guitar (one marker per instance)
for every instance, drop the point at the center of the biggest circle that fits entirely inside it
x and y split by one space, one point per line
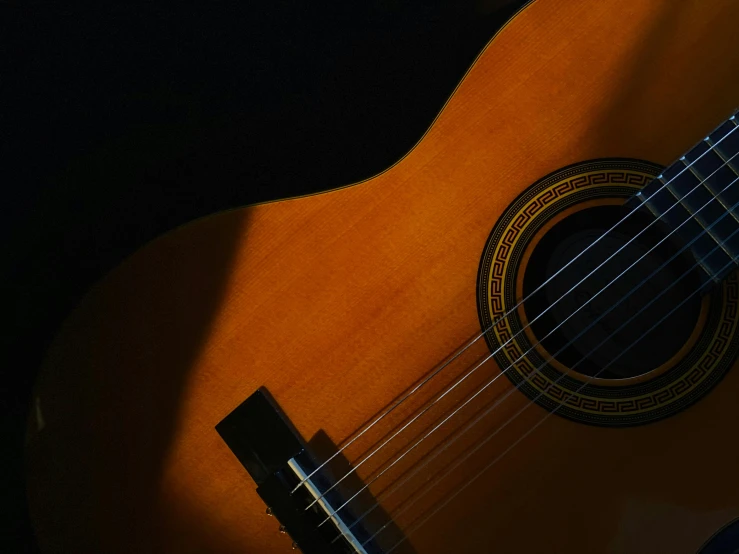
521 337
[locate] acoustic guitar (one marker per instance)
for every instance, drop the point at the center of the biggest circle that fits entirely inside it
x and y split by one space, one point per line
521 337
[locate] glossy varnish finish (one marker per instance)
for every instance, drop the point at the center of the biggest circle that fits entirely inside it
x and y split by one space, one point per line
339 302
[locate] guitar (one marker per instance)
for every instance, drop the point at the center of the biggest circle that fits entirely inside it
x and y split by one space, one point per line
521 337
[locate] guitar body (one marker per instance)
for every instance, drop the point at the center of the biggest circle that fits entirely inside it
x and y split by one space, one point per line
338 303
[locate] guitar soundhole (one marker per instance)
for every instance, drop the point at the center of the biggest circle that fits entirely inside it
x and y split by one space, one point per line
725 541
650 365
610 326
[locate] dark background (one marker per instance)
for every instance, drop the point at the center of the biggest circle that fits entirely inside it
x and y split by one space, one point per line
120 123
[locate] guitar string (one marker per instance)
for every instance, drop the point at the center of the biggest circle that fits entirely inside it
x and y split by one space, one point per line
498 401
402 455
489 356
396 485
445 363
482 333
548 413
512 364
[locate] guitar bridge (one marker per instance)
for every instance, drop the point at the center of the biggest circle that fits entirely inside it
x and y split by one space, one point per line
309 508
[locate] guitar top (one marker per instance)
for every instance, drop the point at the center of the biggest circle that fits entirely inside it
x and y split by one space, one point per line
521 337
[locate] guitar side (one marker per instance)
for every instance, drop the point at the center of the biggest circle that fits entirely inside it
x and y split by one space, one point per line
339 302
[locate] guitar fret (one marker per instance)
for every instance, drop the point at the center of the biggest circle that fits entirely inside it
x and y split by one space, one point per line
730 165
726 207
692 167
698 202
715 176
676 216
727 147
683 198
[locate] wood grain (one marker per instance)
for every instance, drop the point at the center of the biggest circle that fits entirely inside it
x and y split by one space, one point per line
339 302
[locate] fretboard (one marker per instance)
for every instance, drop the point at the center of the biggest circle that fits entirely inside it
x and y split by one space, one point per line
697 197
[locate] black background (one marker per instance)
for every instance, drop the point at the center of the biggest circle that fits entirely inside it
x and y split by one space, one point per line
120 123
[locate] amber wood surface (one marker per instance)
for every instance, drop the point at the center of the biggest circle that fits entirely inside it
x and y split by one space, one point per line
338 302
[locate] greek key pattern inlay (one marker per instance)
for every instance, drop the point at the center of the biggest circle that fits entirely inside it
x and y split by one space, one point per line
577 398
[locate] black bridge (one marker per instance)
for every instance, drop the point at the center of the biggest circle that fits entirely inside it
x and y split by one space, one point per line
278 460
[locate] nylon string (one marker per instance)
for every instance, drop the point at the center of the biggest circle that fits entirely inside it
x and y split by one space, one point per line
512 364
483 332
554 410
399 483
470 372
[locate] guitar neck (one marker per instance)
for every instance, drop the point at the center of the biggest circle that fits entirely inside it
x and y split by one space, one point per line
698 199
